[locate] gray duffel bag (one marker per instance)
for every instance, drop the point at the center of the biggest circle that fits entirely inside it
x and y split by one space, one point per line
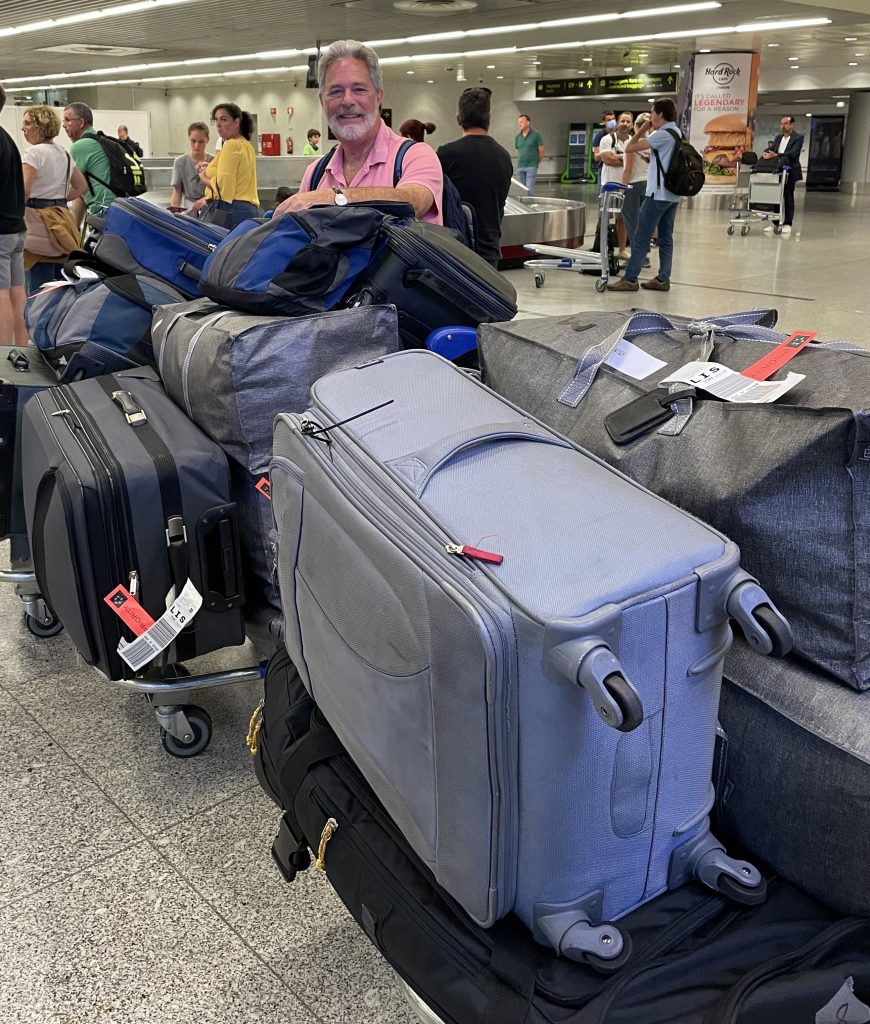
232 373
787 481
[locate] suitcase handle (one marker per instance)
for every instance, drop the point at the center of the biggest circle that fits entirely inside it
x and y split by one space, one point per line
434 457
219 559
425 278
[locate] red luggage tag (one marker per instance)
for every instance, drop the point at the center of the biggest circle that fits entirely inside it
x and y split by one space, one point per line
127 608
476 553
264 486
779 356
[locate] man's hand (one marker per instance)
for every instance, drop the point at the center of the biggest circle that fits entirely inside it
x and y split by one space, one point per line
768 153
302 200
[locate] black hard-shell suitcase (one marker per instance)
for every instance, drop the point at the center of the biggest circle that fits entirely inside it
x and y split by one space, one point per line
433 280
121 488
698 958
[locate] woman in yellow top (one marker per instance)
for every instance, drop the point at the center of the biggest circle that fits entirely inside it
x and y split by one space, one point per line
231 177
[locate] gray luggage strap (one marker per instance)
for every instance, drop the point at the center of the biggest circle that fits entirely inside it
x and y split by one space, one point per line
738 325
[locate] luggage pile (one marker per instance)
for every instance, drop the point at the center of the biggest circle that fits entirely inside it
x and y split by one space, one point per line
145 486
505 711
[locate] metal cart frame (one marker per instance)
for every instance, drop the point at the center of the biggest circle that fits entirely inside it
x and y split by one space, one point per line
582 260
765 200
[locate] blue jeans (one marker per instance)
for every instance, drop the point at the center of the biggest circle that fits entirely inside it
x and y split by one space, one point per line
238 209
528 176
655 213
40 274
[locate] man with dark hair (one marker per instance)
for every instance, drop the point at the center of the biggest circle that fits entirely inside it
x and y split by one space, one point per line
363 164
133 148
608 124
480 169
659 133
90 158
12 235
787 144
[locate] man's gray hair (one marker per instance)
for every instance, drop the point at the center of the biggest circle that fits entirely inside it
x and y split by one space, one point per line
344 49
81 110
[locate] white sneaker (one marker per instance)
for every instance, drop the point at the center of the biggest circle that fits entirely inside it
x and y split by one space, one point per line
768 230
624 254
786 229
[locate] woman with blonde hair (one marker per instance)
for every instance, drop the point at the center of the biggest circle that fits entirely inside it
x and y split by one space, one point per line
231 177
51 180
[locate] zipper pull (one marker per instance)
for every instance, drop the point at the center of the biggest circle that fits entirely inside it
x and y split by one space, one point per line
328 829
133 585
476 553
254 727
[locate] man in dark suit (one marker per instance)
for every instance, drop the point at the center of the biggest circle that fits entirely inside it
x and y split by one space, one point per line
789 145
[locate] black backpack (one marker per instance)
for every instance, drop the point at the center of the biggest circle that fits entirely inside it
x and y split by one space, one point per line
126 173
455 214
685 173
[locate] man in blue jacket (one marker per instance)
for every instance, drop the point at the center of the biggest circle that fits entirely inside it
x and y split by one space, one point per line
789 145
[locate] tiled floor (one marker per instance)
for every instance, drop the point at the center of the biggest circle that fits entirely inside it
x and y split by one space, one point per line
138 888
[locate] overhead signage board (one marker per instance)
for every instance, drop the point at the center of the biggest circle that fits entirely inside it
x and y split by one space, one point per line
605 85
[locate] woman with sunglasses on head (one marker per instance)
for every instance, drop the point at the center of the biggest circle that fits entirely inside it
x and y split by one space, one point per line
231 177
51 179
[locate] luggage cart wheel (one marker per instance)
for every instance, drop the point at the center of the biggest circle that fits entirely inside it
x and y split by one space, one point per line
200 733
625 695
539 280
777 229
730 229
48 626
600 284
744 230
746 895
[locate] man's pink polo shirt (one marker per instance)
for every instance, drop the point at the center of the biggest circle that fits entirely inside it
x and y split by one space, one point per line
420 166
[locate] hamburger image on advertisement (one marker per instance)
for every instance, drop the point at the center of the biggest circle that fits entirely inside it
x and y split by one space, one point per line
727 138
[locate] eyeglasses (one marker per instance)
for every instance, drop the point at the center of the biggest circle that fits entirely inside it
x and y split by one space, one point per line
69 120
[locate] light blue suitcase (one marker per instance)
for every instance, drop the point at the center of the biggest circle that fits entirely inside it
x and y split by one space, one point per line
540 728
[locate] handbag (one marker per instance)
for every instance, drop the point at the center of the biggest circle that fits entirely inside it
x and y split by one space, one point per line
52 231
212 214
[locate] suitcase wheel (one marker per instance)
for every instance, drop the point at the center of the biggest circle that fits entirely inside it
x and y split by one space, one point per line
199 736
776 629
747 895
48 625
625 695
613 964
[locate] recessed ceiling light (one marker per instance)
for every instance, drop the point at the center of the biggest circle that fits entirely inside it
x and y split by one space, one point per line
490 67
703 51
853 63
409 72
588 60
793 58
772 45
795 67
525 81
860 54
499 76
536 62
840 103
676 67
851 39
808 114
628 69
430 81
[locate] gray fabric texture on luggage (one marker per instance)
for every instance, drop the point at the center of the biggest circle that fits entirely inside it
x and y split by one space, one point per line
795 790
233 372
788 481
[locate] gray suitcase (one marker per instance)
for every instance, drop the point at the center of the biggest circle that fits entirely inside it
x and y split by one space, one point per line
528 683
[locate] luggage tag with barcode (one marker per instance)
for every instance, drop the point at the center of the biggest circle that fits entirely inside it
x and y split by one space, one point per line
160 634
729 385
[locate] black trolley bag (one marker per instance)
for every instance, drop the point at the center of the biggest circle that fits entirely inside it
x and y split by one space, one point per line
698 958
434 280
121 489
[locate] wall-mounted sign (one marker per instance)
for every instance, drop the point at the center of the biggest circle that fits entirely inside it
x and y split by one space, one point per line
605 85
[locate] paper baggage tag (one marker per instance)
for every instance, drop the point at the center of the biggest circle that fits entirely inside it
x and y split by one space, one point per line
729 385
633 361
161 633
779 356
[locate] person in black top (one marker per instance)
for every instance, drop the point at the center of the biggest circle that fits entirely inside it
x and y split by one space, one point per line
133 148
12 235
480 169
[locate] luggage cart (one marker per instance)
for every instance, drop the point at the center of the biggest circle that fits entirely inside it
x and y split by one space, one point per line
38 617
765 198
584 260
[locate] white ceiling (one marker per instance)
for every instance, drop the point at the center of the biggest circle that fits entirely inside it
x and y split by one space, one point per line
215 29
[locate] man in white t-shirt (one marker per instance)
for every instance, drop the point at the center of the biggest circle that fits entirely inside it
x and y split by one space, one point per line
611 152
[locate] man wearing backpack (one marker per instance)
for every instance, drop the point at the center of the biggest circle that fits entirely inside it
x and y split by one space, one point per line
660 135
90 158
363 164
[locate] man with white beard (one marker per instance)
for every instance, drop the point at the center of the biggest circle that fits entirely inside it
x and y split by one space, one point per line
362 166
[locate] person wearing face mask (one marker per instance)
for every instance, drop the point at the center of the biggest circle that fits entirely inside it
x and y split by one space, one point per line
362 165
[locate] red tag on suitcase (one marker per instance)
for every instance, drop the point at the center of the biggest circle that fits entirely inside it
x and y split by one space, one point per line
779 356
127 608
264 486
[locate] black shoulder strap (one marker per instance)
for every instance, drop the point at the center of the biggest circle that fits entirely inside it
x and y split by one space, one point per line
320 169
514 976
319 744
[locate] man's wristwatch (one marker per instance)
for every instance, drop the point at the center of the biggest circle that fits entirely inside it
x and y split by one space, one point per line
340 197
